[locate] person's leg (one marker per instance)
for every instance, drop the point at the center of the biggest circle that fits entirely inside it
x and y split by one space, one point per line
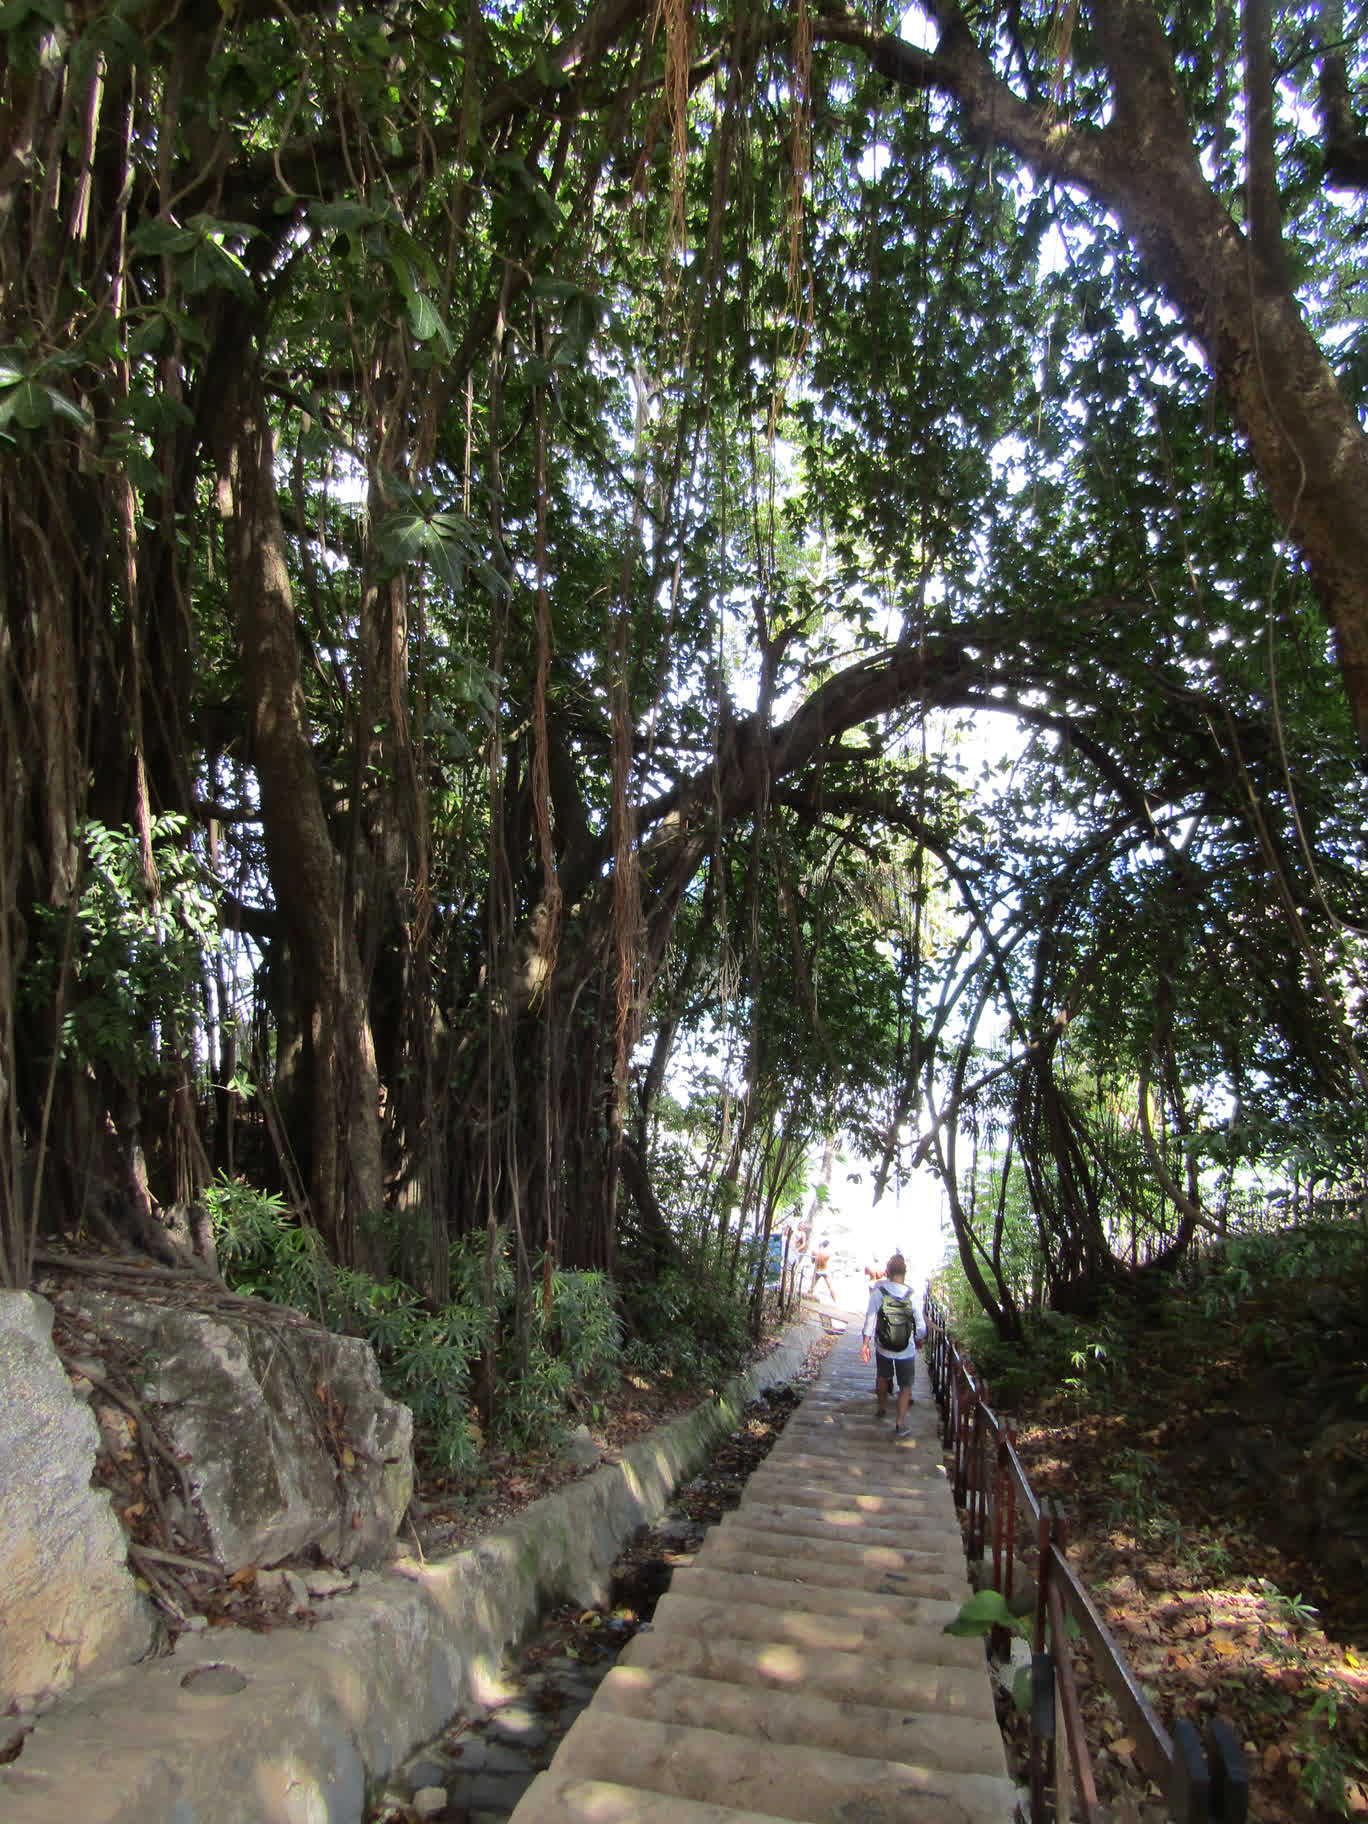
905 1372
883 1384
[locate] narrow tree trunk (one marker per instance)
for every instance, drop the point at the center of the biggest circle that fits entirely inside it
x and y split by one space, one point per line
346 1180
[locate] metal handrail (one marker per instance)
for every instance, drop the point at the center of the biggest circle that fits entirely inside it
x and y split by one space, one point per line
994 1493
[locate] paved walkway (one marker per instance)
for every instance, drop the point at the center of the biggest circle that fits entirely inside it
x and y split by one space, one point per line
797 1668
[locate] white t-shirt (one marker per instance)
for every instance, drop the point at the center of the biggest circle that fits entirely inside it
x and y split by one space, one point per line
899 1289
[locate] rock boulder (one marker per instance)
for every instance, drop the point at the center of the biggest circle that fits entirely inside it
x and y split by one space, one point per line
69 1603
289 1444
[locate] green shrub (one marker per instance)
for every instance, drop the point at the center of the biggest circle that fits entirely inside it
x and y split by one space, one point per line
137 961
685 1327
424 1357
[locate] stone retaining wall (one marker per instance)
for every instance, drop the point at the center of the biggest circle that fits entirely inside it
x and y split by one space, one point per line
286 1728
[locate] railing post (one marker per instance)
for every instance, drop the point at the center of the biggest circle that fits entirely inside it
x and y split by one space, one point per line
1229 1774
1043 1525
1210 1785
968 1402
1042 1735
1007 1496
1190 1800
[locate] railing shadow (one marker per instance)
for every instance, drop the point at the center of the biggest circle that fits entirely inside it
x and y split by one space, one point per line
1201 1777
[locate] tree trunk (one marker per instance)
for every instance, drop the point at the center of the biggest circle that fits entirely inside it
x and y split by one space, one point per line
345 1181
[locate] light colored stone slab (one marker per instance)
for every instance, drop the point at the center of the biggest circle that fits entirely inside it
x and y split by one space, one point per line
562 1799
819 1632
841 1523
827 1545
702 1583
907 1678
808 1717
791 1781
735 1552
69 1605
803 1493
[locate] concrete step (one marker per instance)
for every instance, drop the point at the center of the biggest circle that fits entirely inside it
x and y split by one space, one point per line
902 1682
879 1458
830 1546
893 1473
920 1531
800 1550
798 1666
900 1608
821 1632
840 1523
788 1780
899 1509
564 1798
736 1552
962 1744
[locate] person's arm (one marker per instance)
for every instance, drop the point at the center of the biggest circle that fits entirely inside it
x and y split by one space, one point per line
871 1318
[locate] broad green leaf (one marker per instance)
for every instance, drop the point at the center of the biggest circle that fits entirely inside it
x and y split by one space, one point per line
157 237
985 1610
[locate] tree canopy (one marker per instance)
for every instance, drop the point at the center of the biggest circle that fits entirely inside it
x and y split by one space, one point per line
531 512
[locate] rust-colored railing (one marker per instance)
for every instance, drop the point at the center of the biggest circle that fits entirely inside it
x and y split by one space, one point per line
1006 1524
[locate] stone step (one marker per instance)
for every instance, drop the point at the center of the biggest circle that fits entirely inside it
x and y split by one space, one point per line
878 1457
787 1780
737 1552
962 1744
798 1667
564 1798
926 1536
910 1680
816 1541
860 1445
916 1635
892 1472
800 1489
703 1583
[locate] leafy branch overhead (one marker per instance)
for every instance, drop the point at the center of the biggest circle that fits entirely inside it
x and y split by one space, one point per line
554 503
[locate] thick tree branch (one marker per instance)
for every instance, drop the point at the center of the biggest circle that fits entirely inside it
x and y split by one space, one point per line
1304 434
1345 141
1263 205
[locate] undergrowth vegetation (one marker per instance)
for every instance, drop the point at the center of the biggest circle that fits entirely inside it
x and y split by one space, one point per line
554 1357
1207 1443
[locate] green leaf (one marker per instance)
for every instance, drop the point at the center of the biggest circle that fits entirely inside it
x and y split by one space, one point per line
156 237
401 537
425 319
30 405
349 217
984 1611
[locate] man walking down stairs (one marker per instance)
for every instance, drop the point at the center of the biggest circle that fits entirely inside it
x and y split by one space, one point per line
797 1667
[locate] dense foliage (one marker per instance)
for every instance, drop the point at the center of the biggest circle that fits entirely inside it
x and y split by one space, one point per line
538 509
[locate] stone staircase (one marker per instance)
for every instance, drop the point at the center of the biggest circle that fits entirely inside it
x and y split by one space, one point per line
797 1666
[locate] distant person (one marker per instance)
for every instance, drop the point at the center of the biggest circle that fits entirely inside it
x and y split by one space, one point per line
821 1259
891 1326
804 1245
797 1254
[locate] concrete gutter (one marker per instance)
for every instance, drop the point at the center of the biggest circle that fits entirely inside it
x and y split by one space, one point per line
234 1727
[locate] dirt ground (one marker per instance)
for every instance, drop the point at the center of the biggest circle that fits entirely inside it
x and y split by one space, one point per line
1215 1489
